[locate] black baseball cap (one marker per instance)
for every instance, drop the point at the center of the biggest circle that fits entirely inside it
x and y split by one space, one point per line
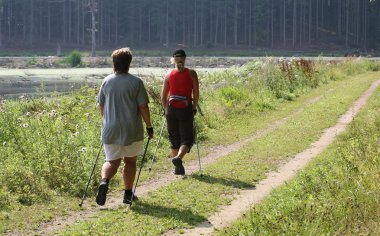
179 53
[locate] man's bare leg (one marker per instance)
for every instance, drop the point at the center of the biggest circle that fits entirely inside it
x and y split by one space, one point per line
177 160
182 151
129 172
109 169
174 152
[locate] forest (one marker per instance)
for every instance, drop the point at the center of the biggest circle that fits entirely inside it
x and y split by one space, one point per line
276 24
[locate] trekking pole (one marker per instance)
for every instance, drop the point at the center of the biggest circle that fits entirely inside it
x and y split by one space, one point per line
196 139
92 172
200 110
138 176
157 143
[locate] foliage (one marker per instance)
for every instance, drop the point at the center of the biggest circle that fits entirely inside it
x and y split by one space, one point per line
74 58
48 144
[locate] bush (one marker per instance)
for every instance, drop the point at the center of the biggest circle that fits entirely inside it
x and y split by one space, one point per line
74 58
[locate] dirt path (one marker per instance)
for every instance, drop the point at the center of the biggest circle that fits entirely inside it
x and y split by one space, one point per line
248 198
114 199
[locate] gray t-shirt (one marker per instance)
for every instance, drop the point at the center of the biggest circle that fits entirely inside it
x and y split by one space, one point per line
121 94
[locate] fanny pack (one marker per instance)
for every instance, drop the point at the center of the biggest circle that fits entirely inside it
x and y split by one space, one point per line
178 101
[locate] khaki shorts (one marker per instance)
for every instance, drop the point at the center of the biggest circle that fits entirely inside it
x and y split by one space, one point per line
116 151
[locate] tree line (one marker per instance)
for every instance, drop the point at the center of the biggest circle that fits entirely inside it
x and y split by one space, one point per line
277 24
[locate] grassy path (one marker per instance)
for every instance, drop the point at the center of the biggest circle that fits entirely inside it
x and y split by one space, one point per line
256 147
248 198
113 200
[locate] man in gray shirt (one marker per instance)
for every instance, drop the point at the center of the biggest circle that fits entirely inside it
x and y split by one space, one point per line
123 104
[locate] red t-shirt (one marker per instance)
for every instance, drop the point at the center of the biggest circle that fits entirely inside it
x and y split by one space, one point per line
180 84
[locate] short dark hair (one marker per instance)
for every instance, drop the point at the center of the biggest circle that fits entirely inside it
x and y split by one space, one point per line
121 59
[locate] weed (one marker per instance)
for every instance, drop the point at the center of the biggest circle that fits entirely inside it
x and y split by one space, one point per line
74 58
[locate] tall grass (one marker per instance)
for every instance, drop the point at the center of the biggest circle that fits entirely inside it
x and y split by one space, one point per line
48 145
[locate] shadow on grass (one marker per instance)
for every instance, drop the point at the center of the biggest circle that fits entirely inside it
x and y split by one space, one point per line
224 181
186 216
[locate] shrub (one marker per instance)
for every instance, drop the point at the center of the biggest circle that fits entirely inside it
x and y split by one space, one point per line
74 58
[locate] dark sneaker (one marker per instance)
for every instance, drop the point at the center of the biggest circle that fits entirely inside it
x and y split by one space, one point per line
102 193
179 169
128 196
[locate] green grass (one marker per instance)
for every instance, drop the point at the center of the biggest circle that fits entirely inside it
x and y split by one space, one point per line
185 202
61 145
338 194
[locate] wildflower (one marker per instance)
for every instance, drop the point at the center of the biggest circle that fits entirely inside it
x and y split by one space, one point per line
83 149
25 125
52 114
27 114
19 119
4 143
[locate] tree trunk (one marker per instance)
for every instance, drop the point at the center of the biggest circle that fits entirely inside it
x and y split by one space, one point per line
167 23
271 23
93 9
69 29
24 21
317 20
117 23
254 25
83 23
284 25
225 23
202 23
216 24
64 23
236 23
101 23
294 23
31 22
365 10
78 22
140 23
1 24
347 21
339 19
310 20
250 25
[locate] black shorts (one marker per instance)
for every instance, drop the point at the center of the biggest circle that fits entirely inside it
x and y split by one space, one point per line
180 122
